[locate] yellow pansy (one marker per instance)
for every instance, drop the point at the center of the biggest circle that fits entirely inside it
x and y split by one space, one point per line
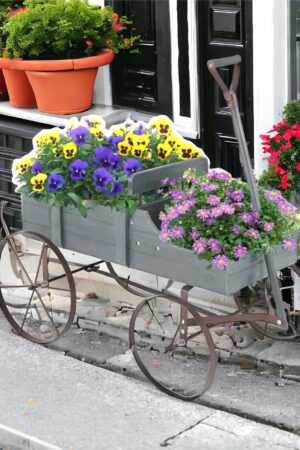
163 125
118 131
197 152
185 151
51 137
137 151
57 151
123 148
38 182
23 165
188 151
173 141
163 151
140 141
129 138
95 124
70 150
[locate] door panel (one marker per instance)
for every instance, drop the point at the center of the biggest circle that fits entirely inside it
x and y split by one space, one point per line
143 81
225 30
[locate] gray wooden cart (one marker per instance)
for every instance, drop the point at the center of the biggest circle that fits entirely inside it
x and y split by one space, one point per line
165 331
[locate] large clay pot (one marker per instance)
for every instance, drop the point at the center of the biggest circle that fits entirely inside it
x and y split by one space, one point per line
64 86
19 89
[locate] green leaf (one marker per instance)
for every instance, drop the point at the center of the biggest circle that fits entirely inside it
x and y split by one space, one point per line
74 197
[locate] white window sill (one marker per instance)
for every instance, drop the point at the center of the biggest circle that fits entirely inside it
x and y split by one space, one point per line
110 114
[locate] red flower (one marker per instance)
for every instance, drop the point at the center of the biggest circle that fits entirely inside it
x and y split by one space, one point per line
297 166
115 17
279 170
117 26
274 158
89 42
284 183
126 40
18 11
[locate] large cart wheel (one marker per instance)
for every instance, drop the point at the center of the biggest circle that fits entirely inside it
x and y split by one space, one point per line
37 290
179 359
258 299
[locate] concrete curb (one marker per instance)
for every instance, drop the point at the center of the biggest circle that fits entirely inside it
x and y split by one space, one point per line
11 439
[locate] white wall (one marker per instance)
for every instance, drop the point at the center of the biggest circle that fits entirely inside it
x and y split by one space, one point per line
270 69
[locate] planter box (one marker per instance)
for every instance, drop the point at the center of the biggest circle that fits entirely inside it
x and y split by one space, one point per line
135 243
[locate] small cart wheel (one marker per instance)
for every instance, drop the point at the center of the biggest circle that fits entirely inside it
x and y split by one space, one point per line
258 299
179 359
37 290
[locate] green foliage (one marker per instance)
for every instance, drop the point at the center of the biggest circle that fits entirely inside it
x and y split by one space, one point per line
291 112
6 8
62 29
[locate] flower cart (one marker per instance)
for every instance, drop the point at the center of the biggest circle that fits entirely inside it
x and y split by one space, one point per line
164 330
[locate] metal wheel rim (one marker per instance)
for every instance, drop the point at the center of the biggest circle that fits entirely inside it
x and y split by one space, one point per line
69 278
206 332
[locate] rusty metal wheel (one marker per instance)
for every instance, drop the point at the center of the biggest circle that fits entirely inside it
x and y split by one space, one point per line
258 299
37 290
180 360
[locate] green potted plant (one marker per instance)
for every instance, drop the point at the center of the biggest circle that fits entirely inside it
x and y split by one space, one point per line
7 8
60 44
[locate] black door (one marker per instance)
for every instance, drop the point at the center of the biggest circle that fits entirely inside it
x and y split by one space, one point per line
143 81
225 29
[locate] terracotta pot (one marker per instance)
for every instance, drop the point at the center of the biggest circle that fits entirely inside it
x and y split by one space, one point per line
19 89
64 86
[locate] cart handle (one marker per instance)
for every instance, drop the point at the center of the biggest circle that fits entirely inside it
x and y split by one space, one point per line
214 64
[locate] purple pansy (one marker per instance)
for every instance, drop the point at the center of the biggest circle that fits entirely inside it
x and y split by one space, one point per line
36 168
132 165
55 182
115 162
79 135
116 189
114 141
240 251
77 169
140 130
102 178
103 157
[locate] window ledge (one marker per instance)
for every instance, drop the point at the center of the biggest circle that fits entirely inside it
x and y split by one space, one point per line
110 114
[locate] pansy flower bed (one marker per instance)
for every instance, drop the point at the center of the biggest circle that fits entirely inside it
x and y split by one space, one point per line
86 164
213 216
